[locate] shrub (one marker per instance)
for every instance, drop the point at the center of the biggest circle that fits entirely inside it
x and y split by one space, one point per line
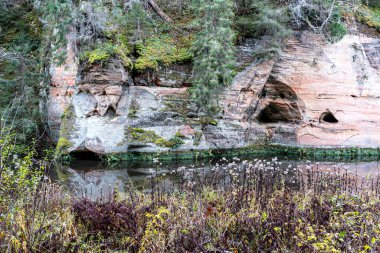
235 206
34 216
110 218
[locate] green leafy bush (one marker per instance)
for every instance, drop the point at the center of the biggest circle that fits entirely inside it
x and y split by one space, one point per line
18 172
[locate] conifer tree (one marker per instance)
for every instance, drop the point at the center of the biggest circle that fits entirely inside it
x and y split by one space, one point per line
139 25
213 52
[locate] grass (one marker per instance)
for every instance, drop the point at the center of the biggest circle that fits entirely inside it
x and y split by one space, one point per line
236 206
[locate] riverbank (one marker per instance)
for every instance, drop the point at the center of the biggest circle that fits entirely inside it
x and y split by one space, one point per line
249 207
311 153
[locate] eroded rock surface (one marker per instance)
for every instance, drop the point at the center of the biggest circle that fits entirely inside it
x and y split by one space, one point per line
313 94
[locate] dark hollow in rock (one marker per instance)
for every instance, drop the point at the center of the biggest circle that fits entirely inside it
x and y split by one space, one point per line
328 117
280 112
276 89
111 112
85 155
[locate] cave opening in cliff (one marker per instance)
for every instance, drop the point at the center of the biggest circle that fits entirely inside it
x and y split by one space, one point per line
85 155
275 112
328 117
265 117
275 89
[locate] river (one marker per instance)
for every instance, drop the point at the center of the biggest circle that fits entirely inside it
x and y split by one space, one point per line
93 179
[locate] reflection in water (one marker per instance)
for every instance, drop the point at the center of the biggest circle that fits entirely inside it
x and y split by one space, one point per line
92 179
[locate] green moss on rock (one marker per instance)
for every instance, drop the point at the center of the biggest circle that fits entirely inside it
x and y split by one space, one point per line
148 136
62 146
67 122
105 51
179 135
163 50
66 131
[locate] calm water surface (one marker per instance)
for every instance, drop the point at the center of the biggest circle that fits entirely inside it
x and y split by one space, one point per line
93 179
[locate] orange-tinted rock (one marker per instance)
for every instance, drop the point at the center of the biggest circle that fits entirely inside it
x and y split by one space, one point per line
187 130
309 80
340 78
312 94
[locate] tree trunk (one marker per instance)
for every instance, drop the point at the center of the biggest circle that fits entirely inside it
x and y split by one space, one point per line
159 12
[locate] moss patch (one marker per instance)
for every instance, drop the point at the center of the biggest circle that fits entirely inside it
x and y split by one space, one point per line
369 16
105 51
66 130
148 136
162 50
62 146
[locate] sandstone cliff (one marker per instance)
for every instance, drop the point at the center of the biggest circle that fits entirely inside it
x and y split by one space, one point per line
313 94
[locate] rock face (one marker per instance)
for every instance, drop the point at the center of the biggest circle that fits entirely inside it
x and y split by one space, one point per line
313 94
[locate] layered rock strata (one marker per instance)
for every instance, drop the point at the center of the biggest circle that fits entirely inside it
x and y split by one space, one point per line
312 94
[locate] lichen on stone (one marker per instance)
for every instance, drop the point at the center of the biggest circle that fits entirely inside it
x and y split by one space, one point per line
140 135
